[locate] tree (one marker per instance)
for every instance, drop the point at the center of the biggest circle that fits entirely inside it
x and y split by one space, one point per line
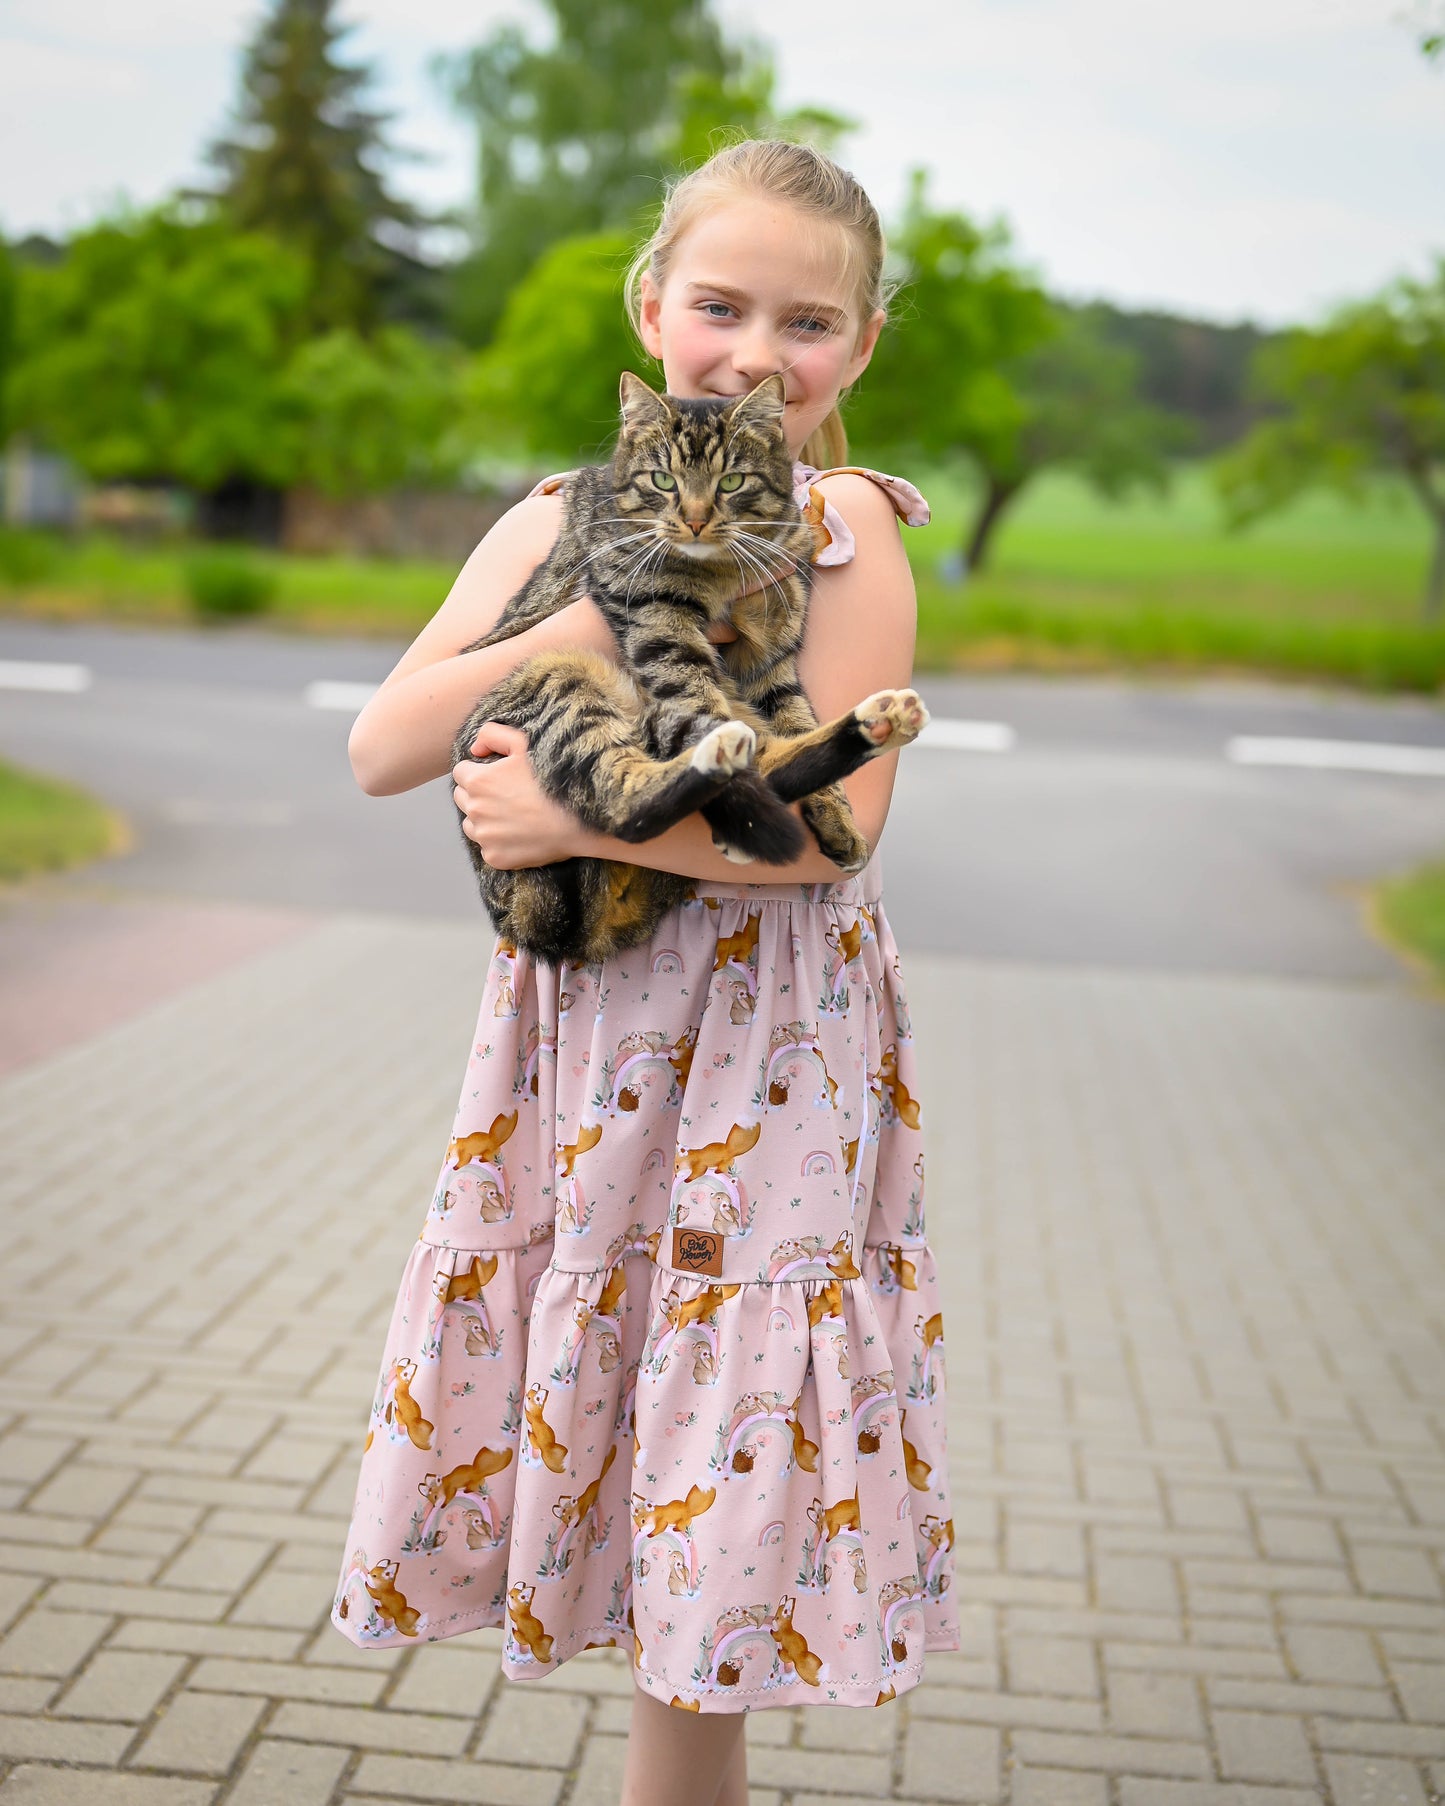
577 136
548 381
1196 369
368 414
7 333
984 368
172 351
152 351
1361 394
743 103
1430 28
304 162
1079 410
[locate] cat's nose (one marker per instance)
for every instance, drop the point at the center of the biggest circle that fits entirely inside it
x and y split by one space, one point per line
697 526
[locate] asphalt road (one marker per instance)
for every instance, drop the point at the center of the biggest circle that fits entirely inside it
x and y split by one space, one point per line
1113 831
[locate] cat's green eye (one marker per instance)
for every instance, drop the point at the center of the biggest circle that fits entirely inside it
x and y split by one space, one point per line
733 480
664 479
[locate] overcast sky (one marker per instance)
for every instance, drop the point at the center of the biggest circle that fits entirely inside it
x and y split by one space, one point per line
1231 158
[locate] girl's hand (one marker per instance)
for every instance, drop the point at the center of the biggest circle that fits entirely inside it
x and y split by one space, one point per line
508 815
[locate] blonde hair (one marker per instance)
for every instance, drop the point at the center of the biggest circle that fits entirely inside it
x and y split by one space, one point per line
820 190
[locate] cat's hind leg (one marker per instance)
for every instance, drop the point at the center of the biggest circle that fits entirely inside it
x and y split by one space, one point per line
803 761
798 756
748 819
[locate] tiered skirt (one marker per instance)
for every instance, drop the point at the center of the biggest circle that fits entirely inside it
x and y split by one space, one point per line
666 1364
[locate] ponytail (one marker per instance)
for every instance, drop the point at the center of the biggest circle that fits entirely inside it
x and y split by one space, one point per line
826 447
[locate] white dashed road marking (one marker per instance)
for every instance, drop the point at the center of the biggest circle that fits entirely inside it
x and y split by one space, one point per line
33 674
326 693
1337 755
942 733
967 736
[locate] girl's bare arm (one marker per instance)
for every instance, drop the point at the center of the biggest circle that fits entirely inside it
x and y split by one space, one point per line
862 624
403 737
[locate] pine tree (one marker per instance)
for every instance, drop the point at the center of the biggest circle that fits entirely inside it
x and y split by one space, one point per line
304 162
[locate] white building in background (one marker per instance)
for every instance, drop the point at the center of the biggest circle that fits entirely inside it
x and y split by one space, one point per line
41 490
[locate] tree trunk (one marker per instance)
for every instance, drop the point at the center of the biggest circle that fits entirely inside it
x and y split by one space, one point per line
1435 582
240 508
997 498
1418 474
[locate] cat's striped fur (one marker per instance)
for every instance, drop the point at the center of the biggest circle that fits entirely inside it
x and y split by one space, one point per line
679 724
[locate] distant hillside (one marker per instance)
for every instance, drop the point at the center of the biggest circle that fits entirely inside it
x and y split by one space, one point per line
1190 367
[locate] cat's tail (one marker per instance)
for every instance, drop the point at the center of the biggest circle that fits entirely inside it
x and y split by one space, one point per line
747 818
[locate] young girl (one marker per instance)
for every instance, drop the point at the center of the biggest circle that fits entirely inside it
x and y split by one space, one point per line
665 1370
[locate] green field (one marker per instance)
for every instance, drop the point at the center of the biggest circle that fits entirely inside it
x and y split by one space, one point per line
1325 589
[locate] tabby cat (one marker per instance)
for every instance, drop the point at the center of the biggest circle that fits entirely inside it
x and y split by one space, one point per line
696 503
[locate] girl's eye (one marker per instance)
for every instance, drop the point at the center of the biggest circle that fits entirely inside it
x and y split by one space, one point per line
822 325
733 480
722 306
664 479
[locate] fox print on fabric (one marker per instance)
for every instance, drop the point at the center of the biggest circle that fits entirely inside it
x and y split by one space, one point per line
695 505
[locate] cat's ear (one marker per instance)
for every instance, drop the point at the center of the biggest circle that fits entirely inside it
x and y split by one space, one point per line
762 407
641 406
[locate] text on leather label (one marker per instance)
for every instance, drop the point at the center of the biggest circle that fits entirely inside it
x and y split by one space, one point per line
697 1251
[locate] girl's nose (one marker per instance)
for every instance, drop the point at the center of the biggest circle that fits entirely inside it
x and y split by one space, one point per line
755 355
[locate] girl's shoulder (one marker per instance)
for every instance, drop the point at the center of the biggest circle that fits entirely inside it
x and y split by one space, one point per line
551 485
834 536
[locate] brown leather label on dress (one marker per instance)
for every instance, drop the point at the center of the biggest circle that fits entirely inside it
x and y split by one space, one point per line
697 1251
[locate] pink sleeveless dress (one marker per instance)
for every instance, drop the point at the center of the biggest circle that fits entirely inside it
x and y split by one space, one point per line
666 1364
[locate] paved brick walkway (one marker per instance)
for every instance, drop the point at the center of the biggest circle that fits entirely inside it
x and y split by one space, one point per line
77 955
1193 1260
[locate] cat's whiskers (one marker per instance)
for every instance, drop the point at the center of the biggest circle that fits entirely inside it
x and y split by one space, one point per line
627 539
635 570
742 553
639 562
737 558
588 557
746 541
634 564
746 533
661 553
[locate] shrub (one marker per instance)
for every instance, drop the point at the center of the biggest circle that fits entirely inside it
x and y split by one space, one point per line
25 556
225 584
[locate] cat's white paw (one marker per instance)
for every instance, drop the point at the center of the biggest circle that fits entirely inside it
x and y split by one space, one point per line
724 749
735 854
891 718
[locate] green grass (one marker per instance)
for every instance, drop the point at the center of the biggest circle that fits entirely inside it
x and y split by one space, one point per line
1411 911
103 578
1322 556
1324 590
46 825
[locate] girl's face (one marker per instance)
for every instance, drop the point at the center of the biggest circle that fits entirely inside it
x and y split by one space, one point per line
751 290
